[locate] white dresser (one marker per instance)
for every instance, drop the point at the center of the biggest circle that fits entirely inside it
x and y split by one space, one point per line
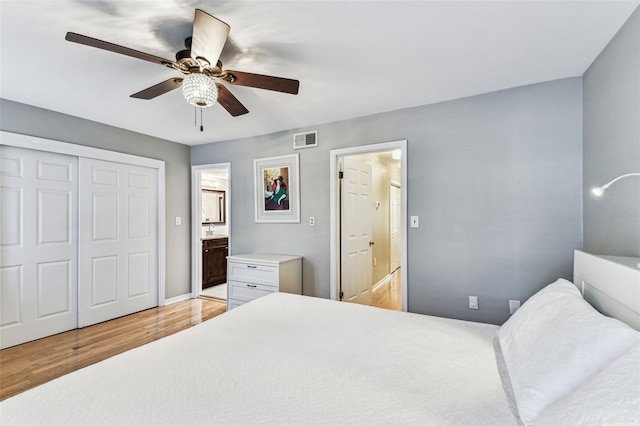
254 275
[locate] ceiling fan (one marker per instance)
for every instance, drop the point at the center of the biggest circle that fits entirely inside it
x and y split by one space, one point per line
202 69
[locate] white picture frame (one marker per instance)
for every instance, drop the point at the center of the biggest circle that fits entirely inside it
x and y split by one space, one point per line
277 189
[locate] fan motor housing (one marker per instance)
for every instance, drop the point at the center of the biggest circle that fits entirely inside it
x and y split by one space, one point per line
183 54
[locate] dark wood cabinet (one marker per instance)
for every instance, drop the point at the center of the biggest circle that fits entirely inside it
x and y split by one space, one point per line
214 261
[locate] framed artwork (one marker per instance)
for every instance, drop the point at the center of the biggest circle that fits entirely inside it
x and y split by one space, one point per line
277 189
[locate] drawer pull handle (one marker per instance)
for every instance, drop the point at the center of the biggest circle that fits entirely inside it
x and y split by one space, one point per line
252 285
251 266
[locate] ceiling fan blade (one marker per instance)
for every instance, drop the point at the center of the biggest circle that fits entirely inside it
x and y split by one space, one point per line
230 102
209 36
158 89
267 82
105 45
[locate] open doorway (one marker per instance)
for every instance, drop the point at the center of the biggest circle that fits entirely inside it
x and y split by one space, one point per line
211 194
368 226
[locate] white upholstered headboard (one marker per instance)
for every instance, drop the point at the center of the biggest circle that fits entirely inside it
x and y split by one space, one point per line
611 284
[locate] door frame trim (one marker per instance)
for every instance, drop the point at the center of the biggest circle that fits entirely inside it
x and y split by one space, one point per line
395 185
83 151
196 221
334 212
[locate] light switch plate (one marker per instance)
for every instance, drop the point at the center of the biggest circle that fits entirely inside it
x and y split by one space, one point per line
178 221
473 302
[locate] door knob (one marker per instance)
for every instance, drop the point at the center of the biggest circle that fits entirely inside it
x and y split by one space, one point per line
371 243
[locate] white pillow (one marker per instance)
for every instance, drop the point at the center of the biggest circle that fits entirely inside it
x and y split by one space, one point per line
611 397
554 342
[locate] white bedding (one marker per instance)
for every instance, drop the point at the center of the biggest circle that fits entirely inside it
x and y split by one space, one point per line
593 403
285 359
555 342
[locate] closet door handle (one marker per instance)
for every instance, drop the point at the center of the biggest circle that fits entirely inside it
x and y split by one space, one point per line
251 266
252 285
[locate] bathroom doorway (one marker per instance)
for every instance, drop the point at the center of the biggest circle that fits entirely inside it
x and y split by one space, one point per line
211 225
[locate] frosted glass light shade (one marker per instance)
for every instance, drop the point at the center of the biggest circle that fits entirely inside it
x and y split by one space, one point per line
199 90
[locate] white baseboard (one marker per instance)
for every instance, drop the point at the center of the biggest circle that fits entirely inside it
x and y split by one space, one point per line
382 282
177 299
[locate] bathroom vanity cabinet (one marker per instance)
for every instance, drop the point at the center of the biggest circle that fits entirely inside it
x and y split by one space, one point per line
214 261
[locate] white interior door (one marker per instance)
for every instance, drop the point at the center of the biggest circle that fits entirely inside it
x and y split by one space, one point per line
356 238
395 223
118 231
38 244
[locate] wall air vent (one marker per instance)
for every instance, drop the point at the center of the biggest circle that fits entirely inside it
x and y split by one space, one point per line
305 140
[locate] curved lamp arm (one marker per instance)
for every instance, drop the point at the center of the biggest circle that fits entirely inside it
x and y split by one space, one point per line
598 191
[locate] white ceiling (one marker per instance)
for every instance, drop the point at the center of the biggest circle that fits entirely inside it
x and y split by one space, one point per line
353 58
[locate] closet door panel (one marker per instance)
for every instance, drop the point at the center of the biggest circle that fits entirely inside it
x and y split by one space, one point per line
118 236
38 244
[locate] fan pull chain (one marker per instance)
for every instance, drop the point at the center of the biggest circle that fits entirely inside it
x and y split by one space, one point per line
195 118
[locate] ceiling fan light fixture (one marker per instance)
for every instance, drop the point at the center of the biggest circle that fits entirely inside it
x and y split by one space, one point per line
196 62
199 90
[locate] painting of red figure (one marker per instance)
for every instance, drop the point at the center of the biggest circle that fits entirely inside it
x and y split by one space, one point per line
276 193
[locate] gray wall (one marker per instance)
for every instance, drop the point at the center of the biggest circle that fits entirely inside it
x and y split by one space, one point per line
32 121
495 178
611 88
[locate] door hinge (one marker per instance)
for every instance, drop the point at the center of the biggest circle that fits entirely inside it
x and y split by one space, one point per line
340 175
341 293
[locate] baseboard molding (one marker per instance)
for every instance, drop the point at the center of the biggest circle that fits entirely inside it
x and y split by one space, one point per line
177 299
384 281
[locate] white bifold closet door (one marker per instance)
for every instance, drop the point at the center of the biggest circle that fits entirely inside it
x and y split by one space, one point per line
118 231
38 244
78 242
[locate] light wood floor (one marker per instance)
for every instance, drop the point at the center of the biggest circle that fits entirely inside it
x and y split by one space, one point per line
389 296
28 365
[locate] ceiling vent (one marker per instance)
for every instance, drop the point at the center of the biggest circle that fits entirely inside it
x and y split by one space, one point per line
305 140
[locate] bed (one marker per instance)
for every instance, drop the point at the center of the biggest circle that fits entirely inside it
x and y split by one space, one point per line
289 359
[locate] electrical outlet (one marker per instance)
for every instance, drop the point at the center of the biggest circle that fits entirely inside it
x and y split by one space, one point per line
415 221
312 221
513 306
178 221
473 302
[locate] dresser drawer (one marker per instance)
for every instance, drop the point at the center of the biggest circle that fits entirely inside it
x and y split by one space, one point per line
234 303
248 291
254 274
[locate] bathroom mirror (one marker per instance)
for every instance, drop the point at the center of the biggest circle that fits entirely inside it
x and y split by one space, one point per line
213 206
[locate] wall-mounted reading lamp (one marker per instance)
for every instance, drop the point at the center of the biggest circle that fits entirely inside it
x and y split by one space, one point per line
598 191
